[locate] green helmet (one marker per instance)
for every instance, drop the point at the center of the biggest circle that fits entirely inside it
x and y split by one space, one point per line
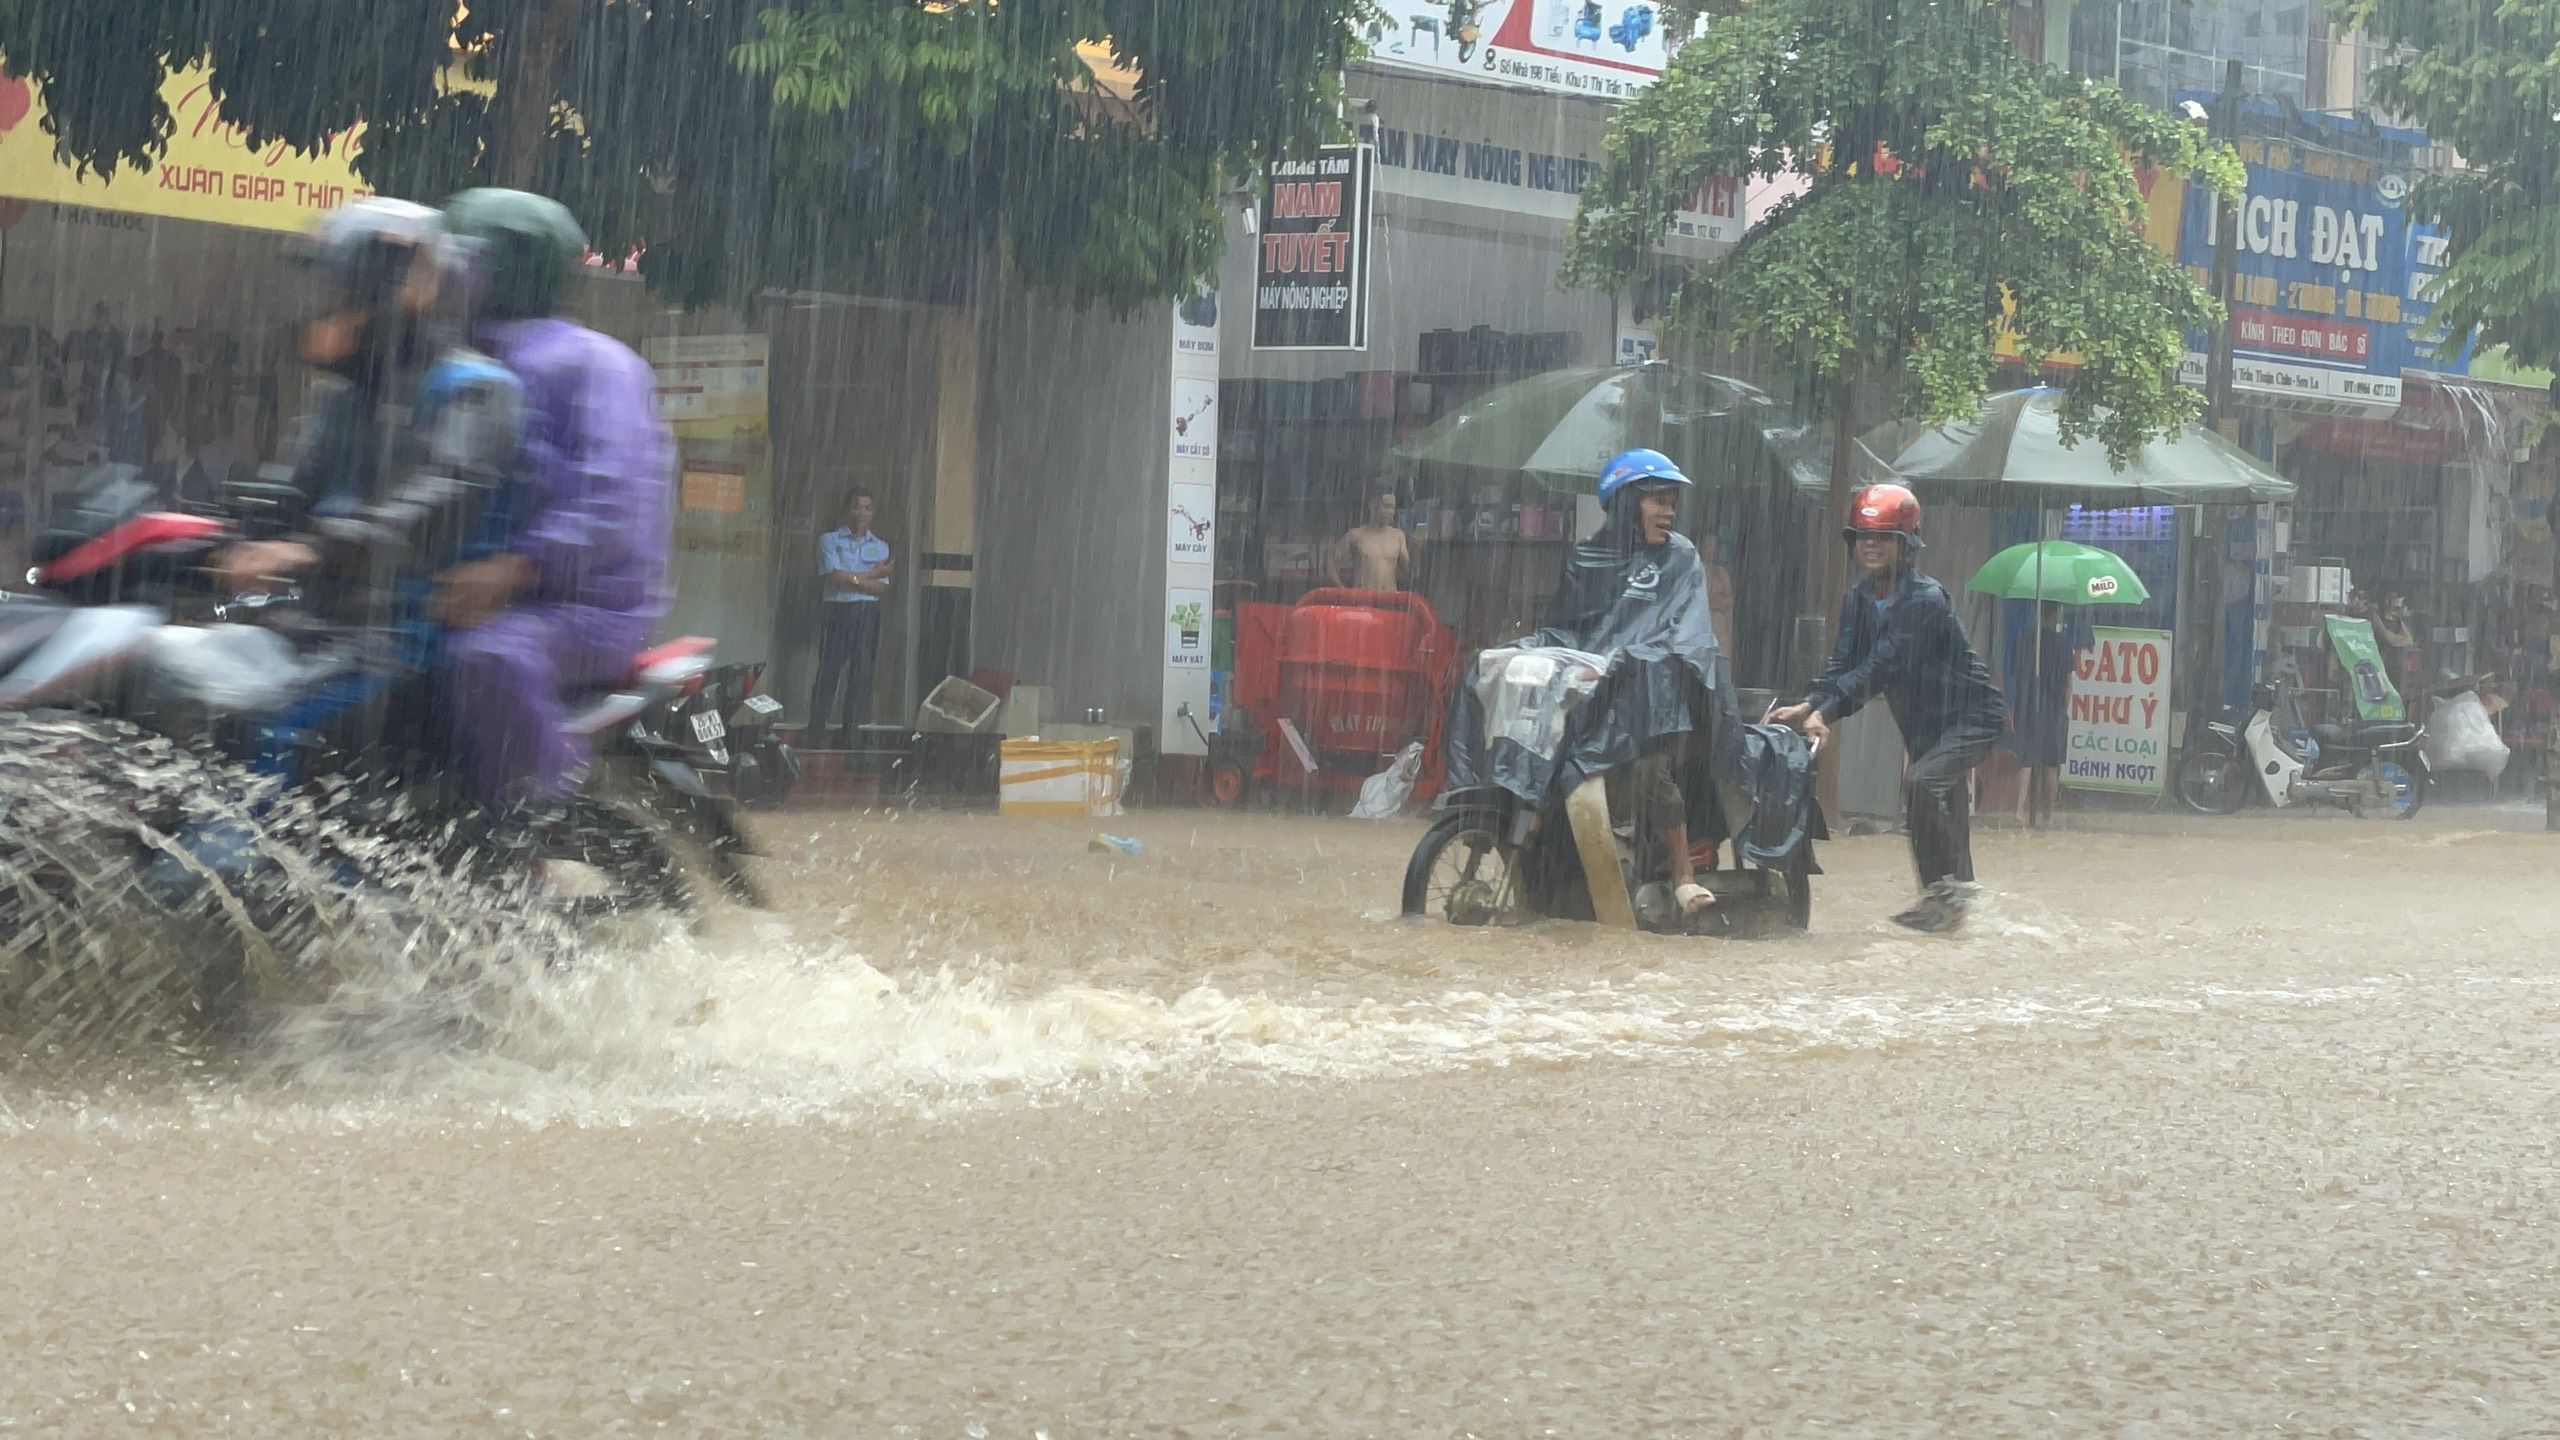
526 247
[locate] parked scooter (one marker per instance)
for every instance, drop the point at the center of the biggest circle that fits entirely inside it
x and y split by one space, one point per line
2362 767
733 722
1496 858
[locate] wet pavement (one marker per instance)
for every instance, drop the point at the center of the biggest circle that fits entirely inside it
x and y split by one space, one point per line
2239 1127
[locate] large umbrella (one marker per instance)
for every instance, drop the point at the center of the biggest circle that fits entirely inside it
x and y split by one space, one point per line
1559 429
2012 454
2062 571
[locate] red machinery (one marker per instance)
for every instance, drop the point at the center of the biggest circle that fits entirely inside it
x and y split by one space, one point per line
1358 674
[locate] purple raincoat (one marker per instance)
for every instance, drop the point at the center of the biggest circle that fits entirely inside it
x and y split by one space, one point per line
598 525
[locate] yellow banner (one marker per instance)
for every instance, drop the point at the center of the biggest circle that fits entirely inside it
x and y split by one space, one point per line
209 173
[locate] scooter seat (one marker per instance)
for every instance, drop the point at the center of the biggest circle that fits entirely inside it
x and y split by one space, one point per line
2363 737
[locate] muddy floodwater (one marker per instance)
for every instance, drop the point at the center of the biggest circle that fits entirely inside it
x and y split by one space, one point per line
2244 1130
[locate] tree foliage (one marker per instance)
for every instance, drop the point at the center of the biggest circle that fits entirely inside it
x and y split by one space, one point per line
882 146
2484 77
1953 187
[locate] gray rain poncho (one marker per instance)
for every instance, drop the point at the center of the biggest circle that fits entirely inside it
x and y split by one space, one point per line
1637 614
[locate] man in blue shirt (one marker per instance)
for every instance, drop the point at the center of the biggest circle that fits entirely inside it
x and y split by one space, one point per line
853 572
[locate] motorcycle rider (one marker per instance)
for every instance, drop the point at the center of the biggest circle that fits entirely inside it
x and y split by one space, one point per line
1637 591
580 579
408 436
1899 638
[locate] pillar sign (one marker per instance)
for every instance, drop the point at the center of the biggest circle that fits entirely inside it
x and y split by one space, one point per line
1191 526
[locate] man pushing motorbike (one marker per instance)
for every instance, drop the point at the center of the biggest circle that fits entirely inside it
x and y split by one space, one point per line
1899 638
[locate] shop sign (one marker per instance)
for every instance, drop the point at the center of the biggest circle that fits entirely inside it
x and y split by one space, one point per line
1539 178
1311 268
2333 275
712 387
209 172
2119 717
1571 47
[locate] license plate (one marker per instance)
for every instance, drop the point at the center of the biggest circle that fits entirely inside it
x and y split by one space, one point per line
764 705
707 727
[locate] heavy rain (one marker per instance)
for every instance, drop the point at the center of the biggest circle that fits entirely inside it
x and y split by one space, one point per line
1293 717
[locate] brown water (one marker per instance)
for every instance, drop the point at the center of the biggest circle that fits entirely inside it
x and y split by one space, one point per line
2245 1131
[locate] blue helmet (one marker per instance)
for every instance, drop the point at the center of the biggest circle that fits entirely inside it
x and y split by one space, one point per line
1643 469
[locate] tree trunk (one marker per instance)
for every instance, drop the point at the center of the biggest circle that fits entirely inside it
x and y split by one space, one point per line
1827 563
528 89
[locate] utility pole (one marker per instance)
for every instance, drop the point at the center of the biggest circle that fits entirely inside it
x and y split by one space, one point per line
2214 543
2226 267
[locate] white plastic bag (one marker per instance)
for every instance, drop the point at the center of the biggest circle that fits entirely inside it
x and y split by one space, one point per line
1529 693
1383 795
2461 737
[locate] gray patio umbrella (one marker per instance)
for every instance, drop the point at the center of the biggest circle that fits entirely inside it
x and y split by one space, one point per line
1560 428
2012 454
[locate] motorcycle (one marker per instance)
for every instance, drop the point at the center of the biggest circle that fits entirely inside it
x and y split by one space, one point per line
1497 857
127 631
2356 766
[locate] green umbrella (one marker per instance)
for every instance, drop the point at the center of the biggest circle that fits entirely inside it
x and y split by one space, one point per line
2061 571
2011 453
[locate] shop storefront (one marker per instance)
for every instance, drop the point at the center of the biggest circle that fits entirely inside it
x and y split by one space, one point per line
142 322
1475 189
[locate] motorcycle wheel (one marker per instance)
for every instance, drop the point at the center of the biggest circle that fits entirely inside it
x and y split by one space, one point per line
2212 782
640 871
88 957
2401 789
1463 873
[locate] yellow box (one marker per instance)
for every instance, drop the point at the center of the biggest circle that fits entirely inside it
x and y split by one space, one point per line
1071 778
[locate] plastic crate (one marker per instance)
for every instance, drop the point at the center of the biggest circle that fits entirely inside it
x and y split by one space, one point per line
957 707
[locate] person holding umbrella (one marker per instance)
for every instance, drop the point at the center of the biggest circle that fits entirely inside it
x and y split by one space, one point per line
1899 638
2063 578
2037 667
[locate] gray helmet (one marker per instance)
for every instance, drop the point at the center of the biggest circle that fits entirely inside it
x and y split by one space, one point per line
364 254
524 247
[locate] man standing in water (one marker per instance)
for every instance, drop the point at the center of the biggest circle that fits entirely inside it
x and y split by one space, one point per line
1899 638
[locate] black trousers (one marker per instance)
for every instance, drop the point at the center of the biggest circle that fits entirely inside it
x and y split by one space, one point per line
1937 805
848 641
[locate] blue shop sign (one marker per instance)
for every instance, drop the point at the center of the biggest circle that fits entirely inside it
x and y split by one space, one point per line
2333 274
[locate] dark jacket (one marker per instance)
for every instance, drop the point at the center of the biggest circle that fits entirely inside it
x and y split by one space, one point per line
1912 652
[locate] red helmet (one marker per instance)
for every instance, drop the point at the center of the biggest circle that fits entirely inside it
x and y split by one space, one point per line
1884 510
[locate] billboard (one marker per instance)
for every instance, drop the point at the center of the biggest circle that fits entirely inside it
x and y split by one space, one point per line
1575 47
210 171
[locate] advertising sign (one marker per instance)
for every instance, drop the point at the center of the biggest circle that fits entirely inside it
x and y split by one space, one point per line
2368 679
1190 527
2119 730
2333 273
1576 47
1311 267
209 173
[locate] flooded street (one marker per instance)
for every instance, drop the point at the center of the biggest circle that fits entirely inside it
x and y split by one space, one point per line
2242 1131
